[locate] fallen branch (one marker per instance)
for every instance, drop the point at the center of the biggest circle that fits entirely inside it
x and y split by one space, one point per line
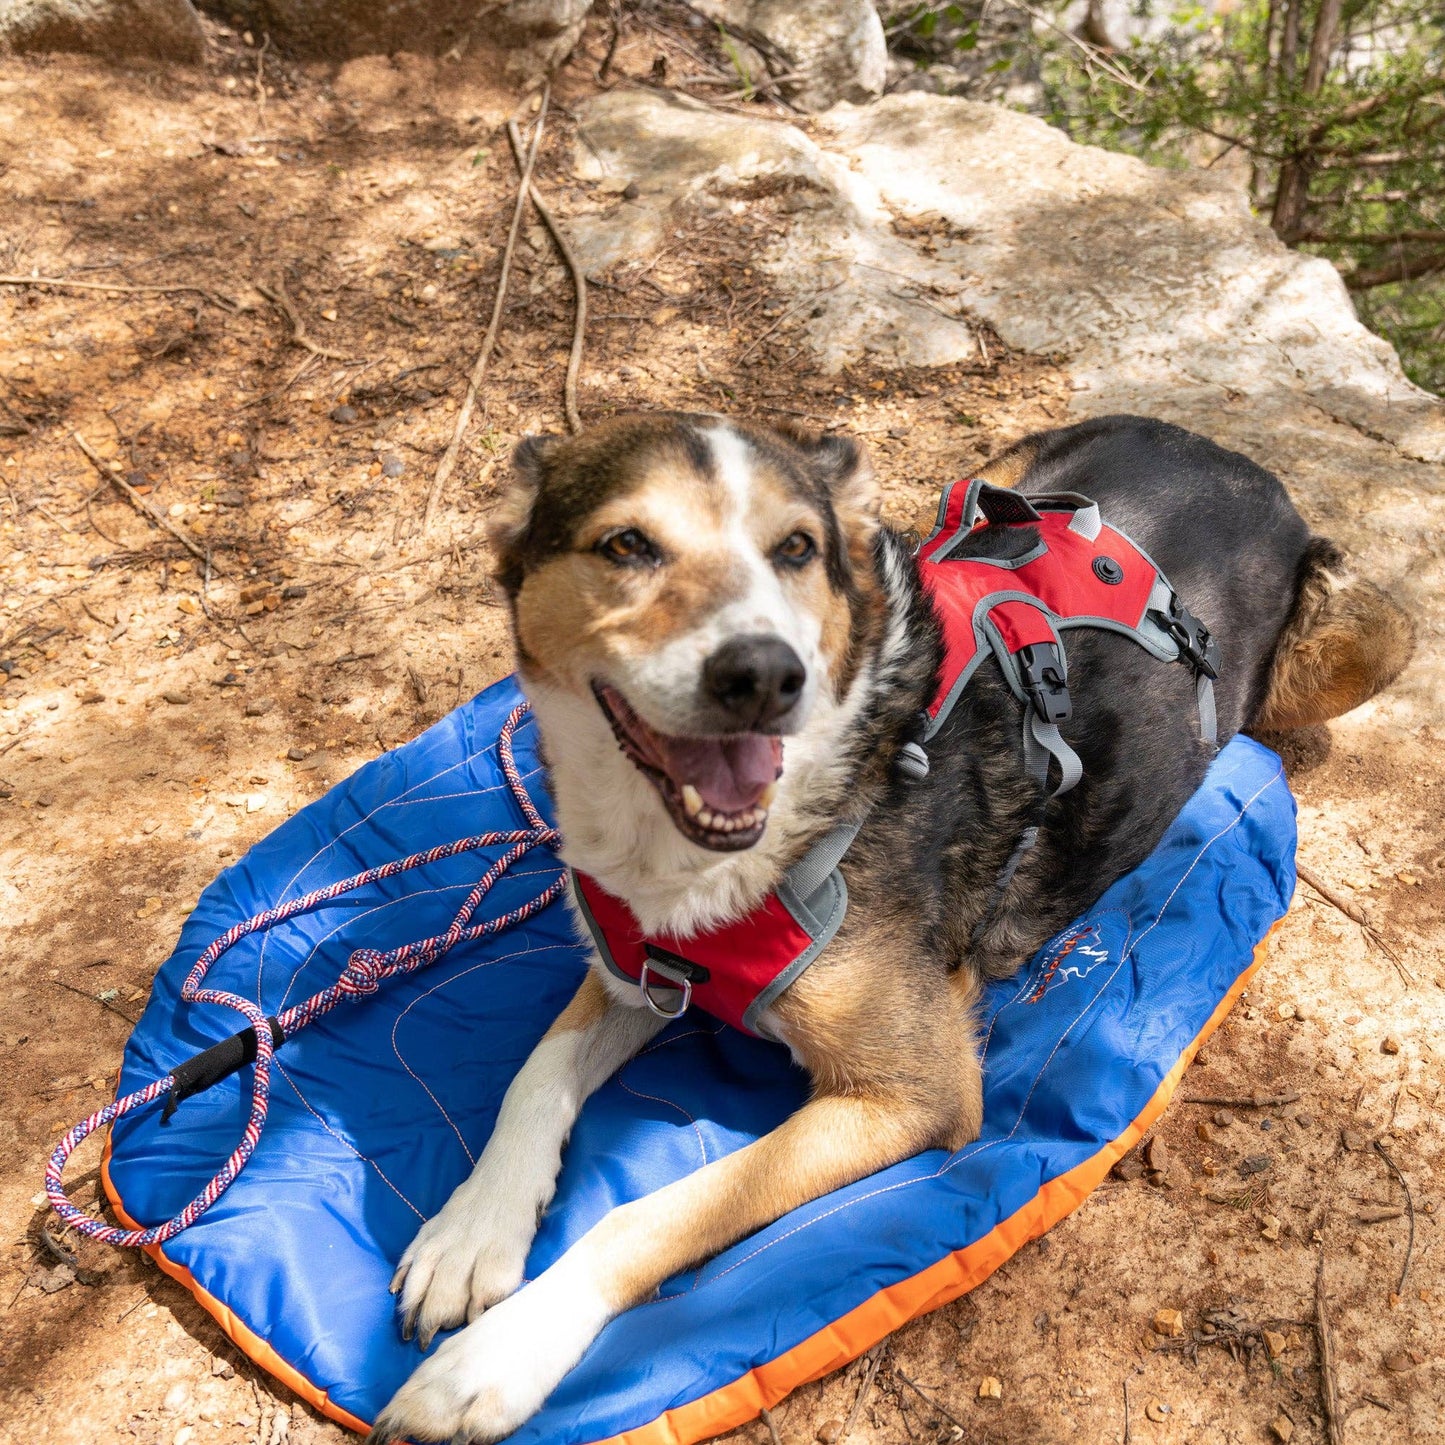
579 287
213 297
479 367
141 505
1355 914
287 307
766 1416
1409 1209
1242 1101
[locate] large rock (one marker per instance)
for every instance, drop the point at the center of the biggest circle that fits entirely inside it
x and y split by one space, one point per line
921 216
164 29
837 50
534 35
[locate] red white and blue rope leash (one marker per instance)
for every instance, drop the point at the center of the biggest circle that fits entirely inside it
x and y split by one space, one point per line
364 973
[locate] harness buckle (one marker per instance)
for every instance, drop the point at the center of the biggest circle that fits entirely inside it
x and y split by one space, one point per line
678 974
1196 645
1041 669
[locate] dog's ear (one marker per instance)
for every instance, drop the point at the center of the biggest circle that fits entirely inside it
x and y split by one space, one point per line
511 520
845 473
851 483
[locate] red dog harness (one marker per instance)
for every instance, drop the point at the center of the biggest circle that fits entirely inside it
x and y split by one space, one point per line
1080 573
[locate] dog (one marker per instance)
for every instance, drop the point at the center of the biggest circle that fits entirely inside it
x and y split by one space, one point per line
727 653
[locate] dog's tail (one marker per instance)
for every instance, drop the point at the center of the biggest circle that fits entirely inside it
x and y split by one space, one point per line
1344 640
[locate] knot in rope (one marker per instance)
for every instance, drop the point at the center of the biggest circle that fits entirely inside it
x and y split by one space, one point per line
364 971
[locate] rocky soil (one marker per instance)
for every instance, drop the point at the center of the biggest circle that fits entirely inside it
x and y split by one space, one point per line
936 277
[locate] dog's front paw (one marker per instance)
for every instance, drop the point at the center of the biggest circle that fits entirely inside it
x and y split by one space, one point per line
487 1381
463 1261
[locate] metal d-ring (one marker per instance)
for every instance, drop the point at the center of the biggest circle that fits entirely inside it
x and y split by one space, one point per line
679 980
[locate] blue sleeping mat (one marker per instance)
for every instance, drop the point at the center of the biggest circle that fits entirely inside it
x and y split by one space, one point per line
380 1108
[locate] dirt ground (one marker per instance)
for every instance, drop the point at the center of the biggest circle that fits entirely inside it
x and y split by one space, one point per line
161 711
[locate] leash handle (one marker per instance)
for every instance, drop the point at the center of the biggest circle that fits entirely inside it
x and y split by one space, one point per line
366 970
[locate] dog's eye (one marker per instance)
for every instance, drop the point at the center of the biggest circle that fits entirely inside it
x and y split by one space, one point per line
795 549
628 546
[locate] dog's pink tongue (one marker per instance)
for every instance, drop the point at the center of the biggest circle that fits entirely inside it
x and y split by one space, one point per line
729 773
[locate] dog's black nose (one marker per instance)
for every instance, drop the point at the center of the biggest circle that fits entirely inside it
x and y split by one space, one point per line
755 680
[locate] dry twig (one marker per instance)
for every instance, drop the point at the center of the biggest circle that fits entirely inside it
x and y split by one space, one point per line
1355 914
140 503
95 998
1329 1387
579 287
766 1416
479 367
212 296
283 303
930 1401
870 1373
1409 1210
1243 1101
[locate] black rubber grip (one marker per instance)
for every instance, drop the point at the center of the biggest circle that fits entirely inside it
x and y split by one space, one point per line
218 1062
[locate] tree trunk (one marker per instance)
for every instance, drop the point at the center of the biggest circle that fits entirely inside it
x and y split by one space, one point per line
1289 45
1292 194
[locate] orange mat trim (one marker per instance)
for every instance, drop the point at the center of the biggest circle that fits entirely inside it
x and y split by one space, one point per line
830 1348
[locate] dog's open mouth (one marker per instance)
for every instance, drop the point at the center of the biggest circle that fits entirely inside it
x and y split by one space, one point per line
717 789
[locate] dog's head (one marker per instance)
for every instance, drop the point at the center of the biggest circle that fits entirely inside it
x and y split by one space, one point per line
697 586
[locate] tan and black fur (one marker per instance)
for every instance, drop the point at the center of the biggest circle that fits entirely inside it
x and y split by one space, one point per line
884 1021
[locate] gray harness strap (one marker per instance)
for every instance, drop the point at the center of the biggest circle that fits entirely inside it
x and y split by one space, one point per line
1042 742
811 871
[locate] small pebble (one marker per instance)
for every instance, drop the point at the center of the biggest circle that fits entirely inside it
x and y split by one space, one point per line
1389 1046
44 802
1266 1125
176 1397
1255 1164
291 594
1157 1411
259 706
297 755
231 499
343 415
392 467
1223 1117
176 699
1282 1428
631 191
1169 1323
829 1431
1304 1119
990 1388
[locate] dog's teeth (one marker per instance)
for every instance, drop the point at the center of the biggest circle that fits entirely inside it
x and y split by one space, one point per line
691 800
705 817
765 798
